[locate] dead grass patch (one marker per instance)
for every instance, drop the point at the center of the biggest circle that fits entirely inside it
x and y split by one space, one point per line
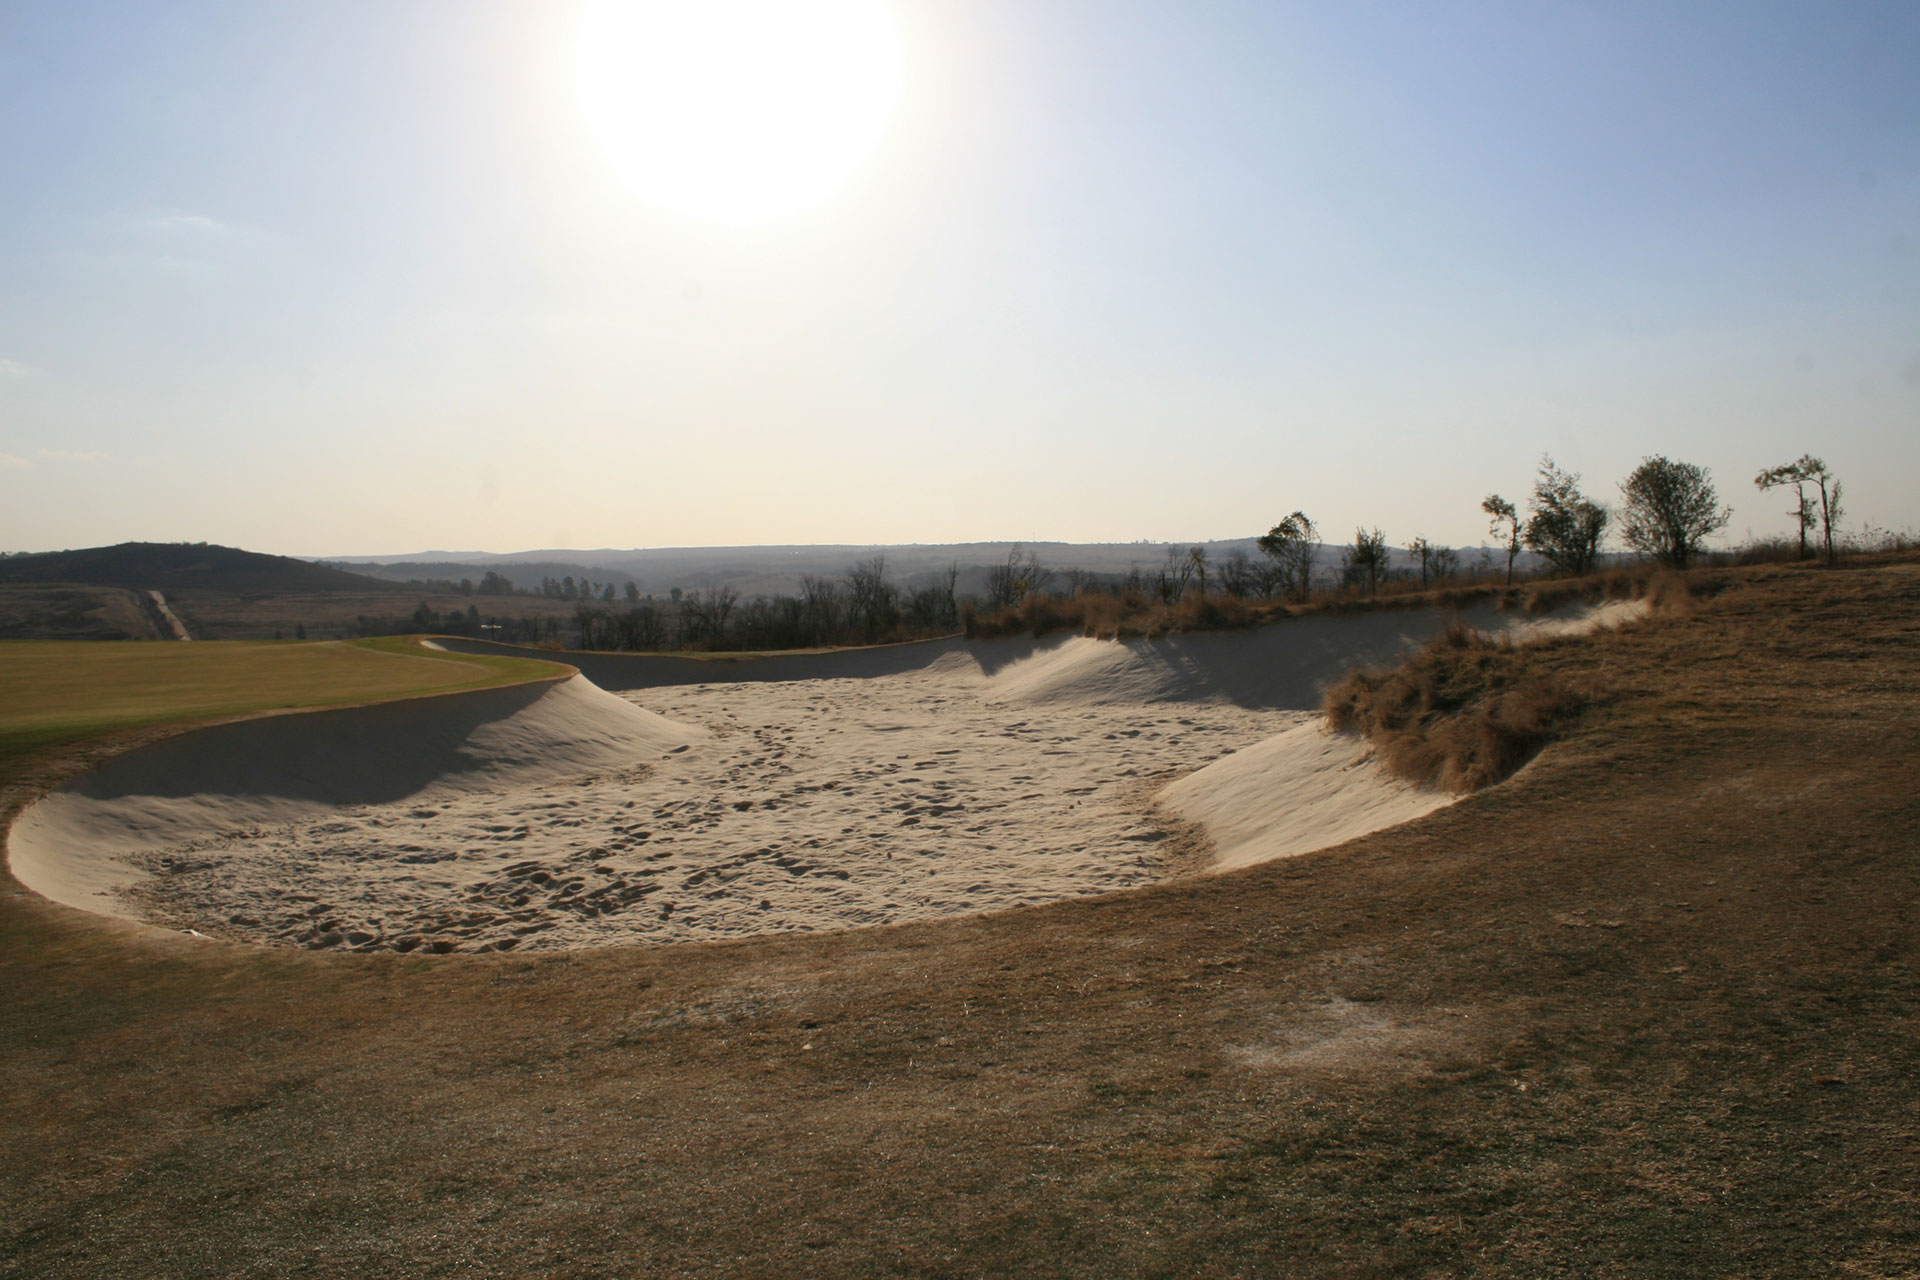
1462 713
1469 709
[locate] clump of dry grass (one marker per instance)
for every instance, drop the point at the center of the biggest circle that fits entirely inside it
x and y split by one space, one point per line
1670 594
1462 713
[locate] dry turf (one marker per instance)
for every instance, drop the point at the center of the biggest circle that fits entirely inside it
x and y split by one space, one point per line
1646 1008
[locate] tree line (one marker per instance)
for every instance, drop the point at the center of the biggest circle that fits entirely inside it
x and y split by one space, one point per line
1666 511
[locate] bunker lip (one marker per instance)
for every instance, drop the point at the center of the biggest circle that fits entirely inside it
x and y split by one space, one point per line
797 792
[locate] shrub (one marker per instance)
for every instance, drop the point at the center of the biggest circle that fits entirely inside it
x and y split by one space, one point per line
1669 508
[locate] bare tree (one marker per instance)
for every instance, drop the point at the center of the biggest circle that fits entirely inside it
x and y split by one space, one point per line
1020 575
1507 526
933 604
1079 580
586 622
704 614
1563 524
1238 577
1668 508
871 599
1198 556
1366 560
643 627
1289 546
820 603
1175 573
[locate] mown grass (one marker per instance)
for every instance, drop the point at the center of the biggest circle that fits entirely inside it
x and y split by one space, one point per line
62 691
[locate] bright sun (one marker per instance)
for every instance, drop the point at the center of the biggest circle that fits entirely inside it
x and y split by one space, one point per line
738 110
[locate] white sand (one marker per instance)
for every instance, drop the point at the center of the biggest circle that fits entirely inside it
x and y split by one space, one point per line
714 799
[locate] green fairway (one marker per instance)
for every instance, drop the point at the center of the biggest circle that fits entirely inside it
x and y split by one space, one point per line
54 691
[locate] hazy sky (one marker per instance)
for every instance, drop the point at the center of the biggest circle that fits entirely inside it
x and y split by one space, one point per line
344 277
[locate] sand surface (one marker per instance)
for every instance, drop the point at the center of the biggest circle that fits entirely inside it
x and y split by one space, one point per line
709 799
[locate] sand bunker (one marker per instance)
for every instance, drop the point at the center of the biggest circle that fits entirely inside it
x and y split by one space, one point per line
721 798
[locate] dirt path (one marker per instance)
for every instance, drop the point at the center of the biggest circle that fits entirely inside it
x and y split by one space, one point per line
169 621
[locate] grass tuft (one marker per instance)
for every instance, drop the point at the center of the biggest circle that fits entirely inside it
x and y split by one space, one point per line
1462 713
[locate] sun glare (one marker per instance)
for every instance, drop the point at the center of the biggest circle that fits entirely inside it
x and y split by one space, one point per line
738 110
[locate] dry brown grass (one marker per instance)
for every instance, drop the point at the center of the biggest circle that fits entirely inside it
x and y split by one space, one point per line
1461 713
1468 709
1651 1008
1129 614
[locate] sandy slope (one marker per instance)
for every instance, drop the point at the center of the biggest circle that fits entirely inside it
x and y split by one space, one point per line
711 799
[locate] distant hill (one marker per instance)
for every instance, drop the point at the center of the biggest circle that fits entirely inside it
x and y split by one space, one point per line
171 566
766 570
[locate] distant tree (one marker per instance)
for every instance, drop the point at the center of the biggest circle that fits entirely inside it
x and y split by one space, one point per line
1507 527
586 620
1668 508
633 593
492 584
871 599
1289 546
675 595
933 606
606 593
1238 578
1805 470
1079 580
299 631
1176 571
705 613
1424 553
1436 562
820 607
643 627
569 590
466 586
1830 509
1198 555
1366 560
1014 579
1563 524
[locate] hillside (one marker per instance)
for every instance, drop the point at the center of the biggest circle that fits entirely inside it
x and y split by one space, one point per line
166 566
